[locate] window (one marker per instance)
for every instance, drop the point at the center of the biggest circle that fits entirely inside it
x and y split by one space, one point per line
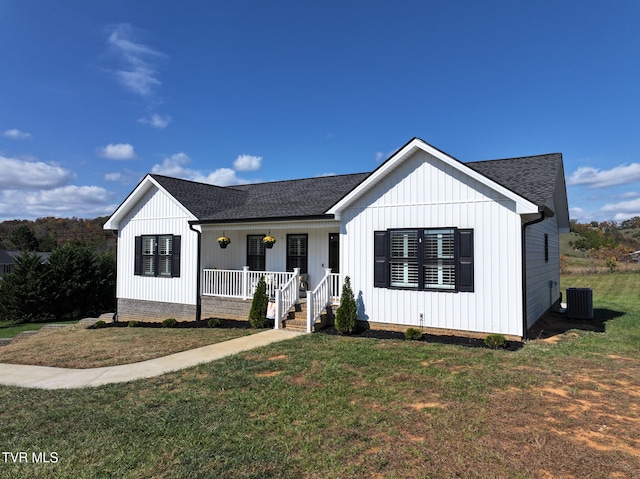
439 259
157 255
546 248
255 253
297 252
404 259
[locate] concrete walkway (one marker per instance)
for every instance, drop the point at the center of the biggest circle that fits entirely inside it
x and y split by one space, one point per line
44 377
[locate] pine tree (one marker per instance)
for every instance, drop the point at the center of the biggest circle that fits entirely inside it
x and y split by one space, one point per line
258 313
346 314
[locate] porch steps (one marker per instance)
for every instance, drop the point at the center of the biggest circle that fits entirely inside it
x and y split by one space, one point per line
297 318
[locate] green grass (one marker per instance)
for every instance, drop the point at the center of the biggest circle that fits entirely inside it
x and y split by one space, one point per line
329 406
9 329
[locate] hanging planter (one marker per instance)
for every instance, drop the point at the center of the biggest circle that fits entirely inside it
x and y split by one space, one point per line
223 241
268 241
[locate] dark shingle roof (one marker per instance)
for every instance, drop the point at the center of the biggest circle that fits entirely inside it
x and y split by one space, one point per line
279 199
532 177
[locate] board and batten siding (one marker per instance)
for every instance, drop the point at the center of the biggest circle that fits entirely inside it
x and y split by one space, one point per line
157 214
234 256
543 277
424 192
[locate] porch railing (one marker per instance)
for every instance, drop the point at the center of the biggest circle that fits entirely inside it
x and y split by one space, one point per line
241 283
286 297
326 293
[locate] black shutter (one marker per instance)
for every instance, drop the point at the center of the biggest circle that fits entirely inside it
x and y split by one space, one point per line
137 267
381 259
175 257
465 260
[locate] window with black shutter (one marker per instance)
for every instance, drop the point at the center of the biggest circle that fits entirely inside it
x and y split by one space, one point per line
157 255
434 259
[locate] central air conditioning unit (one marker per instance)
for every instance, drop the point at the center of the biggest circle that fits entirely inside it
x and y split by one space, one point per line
580 303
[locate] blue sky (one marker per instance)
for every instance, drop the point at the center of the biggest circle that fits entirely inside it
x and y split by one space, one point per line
94 95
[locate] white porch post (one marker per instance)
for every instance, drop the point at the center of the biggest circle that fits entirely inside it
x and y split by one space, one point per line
245 282
309 311
276 321
296 273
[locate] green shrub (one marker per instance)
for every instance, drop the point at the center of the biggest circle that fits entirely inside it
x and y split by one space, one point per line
213 322
134 324
99 324
258 313
347 315
413 334
169 323
495 341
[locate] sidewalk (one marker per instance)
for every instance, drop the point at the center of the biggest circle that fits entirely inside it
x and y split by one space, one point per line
44 377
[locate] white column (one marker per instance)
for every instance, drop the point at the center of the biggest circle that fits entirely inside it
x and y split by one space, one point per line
245 282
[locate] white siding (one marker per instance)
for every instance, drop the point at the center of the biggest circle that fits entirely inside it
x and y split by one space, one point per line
424 192
156 214
543 278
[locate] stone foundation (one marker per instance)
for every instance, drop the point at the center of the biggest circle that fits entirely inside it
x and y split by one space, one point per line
142 310
225 308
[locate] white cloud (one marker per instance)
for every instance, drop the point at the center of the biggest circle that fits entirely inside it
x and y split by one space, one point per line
174 165
117 151
247 163
156 121
595 178
81 201
623 209
177 165
16 134
221 177
380 156
20 174
138 62
124 177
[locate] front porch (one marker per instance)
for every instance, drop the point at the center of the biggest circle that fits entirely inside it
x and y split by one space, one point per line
230 292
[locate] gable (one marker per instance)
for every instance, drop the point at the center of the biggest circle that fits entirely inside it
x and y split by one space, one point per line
422 179
442 162
149 200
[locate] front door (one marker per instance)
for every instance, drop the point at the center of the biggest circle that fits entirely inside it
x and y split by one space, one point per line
334 252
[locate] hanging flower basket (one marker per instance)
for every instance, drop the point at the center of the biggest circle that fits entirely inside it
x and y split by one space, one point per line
223 241
268 241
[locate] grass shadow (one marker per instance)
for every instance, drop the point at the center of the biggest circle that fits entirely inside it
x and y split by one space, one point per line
554 323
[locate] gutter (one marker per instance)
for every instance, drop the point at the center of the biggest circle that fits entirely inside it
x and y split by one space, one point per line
544 214
198 280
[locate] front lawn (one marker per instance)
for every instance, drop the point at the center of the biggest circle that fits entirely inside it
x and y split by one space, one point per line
9 329
79 347
329 406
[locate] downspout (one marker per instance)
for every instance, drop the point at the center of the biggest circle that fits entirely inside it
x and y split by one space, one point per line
198 295
543 215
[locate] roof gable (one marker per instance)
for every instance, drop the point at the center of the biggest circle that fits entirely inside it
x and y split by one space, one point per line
523 204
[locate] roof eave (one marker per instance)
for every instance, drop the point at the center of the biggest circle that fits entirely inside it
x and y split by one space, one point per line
263 219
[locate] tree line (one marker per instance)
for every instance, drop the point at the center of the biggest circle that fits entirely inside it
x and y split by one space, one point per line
46 234
75 280
607 235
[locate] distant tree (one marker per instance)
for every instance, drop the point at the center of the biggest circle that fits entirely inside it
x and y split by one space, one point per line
630 223
71 281
23 292
23 239
105 282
